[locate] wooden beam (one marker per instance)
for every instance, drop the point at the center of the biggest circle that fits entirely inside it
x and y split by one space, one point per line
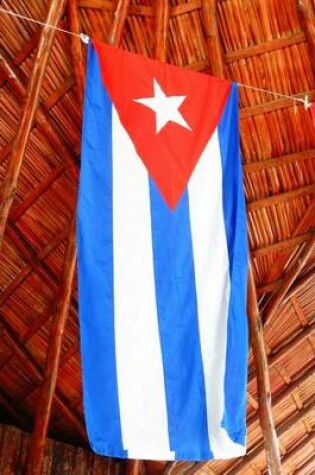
279 161
288 280
273 105
48 127
30 105
300 283
36 448
302 227
215 56
307 13
76 48
287 347
161 27
282 245
263 381
120 17
280 198
37 191
140 10
266 47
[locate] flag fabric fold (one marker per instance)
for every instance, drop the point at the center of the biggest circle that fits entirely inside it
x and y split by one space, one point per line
162 261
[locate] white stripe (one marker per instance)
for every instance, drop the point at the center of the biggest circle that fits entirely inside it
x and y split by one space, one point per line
213 288
141 390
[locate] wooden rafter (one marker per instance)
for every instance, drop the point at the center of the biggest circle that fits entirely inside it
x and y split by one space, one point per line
76 48
161 18
27 118
49 128
288 346
280 198
214 49
263 382
288 280
299 284
302 227
118 24
307 11
36 448
279 161
282 245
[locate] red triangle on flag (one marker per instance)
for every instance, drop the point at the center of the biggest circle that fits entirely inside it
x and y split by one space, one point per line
170 113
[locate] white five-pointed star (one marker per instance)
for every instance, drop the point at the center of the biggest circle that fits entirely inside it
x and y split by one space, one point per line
165 107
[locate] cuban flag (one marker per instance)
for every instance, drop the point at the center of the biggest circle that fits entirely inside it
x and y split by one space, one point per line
162 261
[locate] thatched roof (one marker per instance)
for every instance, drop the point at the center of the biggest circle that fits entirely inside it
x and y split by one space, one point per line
268 44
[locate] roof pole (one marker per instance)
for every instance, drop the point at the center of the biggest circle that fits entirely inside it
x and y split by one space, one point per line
35 454
307 12
76 48
214 48
30 106
118 25
288 280
263 381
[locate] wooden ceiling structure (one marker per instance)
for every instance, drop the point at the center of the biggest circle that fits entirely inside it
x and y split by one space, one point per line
268 44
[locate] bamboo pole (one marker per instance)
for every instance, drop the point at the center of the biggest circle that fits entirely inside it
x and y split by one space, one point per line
120 17
215 54
263 382
30 106
161 23
76 48
35 453
307 12
289 279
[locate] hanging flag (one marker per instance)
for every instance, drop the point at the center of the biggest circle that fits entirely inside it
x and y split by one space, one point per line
162 260
313 111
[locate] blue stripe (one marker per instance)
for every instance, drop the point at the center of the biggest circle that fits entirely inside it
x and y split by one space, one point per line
235 224
95 268
178 326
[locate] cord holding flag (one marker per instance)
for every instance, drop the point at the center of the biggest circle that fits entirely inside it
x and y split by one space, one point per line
162 261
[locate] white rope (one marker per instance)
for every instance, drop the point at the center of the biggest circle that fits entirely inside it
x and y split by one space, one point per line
304 100
38 22
85 39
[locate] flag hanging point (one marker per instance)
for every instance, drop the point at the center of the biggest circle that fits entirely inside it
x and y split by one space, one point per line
307 103
84 38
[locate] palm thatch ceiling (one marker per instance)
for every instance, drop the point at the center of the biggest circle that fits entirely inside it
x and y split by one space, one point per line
268 44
